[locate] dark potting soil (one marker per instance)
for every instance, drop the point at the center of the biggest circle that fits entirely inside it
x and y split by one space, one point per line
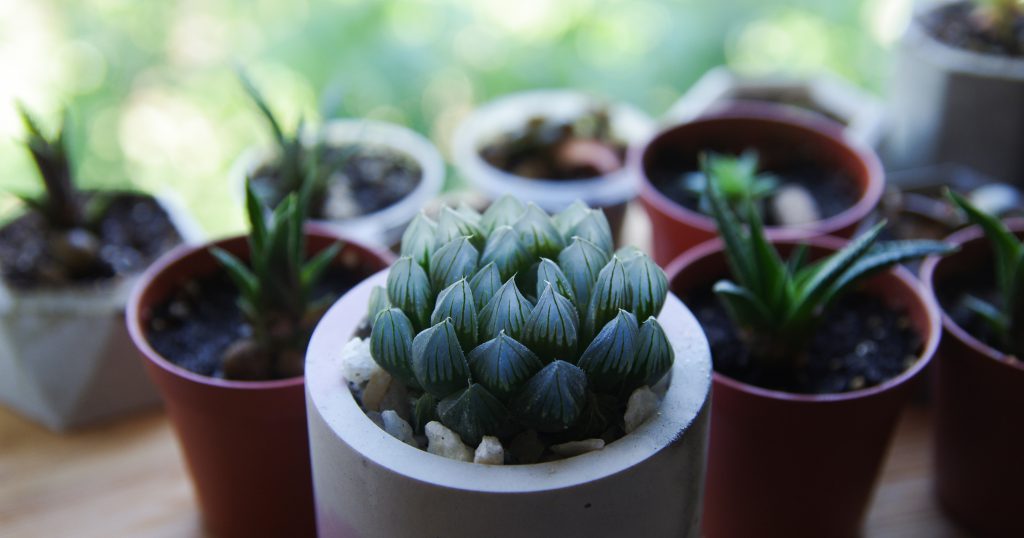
360 180
960 25
859 343
952 295
133 231
197 324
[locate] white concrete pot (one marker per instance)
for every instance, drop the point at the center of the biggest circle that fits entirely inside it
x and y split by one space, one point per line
861 113
65 357
953 105
383 227
368 484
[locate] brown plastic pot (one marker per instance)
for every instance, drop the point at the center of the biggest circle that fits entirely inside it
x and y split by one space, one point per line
979 407
785 464
244 442
777 133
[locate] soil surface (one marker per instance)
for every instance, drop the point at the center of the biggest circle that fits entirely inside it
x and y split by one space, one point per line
360 180
960 25
196 325
953 292
133 231
859 343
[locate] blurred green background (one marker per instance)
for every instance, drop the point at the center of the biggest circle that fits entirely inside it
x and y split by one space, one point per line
156 103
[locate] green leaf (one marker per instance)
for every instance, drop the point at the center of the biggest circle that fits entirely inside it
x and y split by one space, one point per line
628 252
457 304
552 330
649 286
452 225
553 398
594 228
581 262
391 345
485 284
569 217
315 267
473 413
611 293
469 213
824 274
736 249
409 289
239 273
437 360
549 272
610 357
505 251
424 411
537 234
745 308
378 301
992 316
419 239
1005 245
883 256
457 259
771 281
654 355
506 311
261 104
503 365
257 220
505 211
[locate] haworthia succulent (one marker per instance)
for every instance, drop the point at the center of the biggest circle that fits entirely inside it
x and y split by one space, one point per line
549 272
472 413
581 263
594 228
485 284
654 354
409 289
455 260
505 211
420 239
391 345
537 233
503 365
610 357
378 301
506 252
452 225
611 293
424 411
649 286
456 303
565 220
506 311
552 330
438 361
553 398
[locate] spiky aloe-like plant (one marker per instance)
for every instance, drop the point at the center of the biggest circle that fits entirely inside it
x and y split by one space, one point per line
514 319
59 203
1007 319
776 304
737 179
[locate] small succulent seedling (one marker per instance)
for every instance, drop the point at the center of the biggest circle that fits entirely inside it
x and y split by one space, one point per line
776 304
1000 18
514 319
736 177
275 290
1007 319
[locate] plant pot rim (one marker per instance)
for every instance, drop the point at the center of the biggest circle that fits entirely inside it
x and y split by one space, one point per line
961 237
776 116
629 124
956 59
328 396
713 247
173 260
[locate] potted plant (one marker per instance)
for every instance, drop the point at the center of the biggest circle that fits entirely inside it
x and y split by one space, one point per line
958 88
552 379
826 183
859 114
373 177
813 363
552 147
222 329
67 264
979 377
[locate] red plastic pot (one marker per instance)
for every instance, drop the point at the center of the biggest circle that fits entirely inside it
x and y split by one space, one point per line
979 407
785 464
777 134
244 442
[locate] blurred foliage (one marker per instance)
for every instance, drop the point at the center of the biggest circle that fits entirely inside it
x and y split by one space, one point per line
156 103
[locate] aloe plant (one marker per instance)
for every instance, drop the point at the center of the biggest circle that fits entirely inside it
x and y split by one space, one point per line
776 304
1007 318
514 319
736 177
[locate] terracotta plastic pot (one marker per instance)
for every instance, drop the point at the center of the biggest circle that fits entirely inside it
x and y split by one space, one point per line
979 407
244 442
776 133
784 464
368 484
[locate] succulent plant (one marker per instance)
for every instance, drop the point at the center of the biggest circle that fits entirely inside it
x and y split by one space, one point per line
513 319
776 304
1007 319
736 177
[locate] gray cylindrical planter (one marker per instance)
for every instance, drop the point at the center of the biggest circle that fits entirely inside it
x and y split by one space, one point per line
368 484
953 105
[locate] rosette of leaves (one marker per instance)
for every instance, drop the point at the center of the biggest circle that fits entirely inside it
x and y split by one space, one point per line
1006 317
737 180
776 303
514 320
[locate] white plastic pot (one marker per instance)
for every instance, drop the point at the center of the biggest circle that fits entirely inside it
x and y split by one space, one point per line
368 484
383 227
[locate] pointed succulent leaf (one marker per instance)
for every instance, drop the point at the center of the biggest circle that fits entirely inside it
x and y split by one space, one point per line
628 252
1005 245
503 365
315 267
552 330
594 228
581 263
649 286
452 225
391 344
505 251
611 356
409 289
507 311
473 413
549 272
553 398
537 233
505 211
424 411
885 255
654 355
378 301
469 213
611 292
455 260
437 360
456 303
565 220
485 284
420 239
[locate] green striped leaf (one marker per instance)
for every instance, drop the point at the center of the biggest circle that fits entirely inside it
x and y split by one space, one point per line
391 345
503 365
553 398
506 311
452 225
566 219
473 413
581 263
548 271
611 356
649 286
455 260
537 233
420 239
506 252
611 293
456 303
594 228
409 289
505 211
485 284
378 301
552 330
654 355
437 360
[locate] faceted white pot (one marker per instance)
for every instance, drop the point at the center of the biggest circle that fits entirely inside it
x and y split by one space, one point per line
952 105
368 484
65 357
383 227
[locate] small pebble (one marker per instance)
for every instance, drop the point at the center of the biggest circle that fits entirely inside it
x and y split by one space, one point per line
857 382
641 405
357 365
575 448
793 205
375 390
489 452
398 428
446 443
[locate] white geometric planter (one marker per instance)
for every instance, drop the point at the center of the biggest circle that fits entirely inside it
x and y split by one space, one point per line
368 484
